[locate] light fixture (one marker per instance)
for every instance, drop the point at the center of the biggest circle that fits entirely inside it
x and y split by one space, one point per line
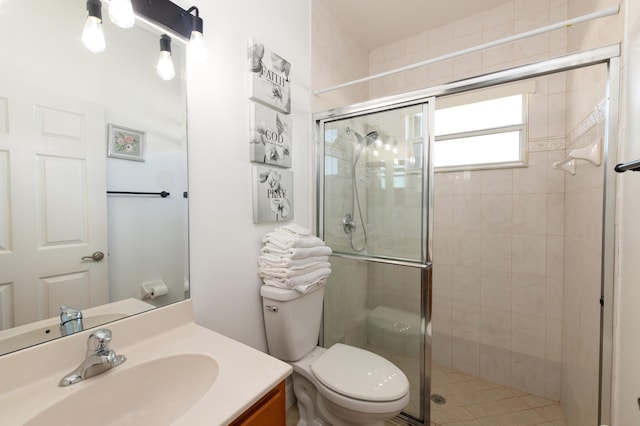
169 15
121 13
197 50
165 64
92 35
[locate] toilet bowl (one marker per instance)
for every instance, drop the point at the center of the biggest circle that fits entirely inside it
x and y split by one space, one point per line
344 385
340 386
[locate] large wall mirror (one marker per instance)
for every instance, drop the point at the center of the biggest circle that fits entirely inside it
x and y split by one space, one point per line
77 128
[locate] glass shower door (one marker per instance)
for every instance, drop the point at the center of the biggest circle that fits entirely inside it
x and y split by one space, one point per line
373 216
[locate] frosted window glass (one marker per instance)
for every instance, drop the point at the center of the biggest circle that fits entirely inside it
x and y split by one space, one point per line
479 115
485 149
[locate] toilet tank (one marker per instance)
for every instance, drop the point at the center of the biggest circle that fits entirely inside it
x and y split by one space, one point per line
292 321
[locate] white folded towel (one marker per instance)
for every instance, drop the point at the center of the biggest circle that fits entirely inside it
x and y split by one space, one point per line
294 229
291 272
296 252
268 260
285 240
293 282
309 287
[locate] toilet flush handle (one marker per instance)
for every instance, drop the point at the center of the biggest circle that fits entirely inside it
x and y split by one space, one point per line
272 308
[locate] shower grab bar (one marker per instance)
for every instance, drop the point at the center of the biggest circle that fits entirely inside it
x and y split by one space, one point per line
163 194
634 166
385 260
613 10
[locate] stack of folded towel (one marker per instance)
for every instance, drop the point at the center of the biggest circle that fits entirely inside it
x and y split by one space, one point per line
292 258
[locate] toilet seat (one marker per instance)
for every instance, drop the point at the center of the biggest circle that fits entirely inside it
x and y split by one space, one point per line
360 374
304 366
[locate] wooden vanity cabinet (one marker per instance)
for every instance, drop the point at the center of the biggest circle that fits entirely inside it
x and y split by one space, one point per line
268 411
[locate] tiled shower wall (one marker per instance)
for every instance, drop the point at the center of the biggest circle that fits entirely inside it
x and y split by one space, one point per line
506 20
497 266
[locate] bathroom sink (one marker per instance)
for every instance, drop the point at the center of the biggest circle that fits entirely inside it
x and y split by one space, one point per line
154 392
177 372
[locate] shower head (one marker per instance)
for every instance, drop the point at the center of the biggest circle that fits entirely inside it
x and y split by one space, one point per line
371 137
362 142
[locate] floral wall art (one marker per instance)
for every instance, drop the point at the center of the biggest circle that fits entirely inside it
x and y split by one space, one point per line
272 194
125 143
270 136
269 77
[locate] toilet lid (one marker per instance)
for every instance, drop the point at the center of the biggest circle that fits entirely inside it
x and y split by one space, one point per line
360 374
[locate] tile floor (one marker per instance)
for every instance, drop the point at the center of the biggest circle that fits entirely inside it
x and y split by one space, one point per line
472 401
475 402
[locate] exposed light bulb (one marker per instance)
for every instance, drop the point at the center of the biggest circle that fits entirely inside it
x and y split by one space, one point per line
197 50
165 64
121 13
92 35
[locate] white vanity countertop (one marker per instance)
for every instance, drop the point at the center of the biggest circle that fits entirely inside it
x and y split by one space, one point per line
29 378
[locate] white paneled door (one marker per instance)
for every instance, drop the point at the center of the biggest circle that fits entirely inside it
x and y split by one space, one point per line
52 205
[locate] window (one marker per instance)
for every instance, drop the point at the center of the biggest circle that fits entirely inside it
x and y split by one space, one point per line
482 129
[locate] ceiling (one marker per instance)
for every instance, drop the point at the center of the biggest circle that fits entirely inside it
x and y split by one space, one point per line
379 22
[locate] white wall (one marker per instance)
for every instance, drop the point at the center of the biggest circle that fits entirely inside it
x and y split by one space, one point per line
224 240
141 224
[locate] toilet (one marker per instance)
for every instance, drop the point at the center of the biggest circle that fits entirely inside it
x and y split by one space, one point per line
340 386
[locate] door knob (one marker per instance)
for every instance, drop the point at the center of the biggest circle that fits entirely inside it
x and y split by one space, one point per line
96 257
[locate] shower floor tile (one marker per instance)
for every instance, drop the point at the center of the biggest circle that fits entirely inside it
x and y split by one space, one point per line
473 401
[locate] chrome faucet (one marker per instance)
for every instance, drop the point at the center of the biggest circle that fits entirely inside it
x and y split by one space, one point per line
98 360
70 321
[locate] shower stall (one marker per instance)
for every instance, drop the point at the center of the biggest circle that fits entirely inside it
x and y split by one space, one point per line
478 246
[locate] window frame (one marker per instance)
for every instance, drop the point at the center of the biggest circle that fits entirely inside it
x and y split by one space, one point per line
522 88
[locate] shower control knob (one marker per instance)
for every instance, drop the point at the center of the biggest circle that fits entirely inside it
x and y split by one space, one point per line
347 224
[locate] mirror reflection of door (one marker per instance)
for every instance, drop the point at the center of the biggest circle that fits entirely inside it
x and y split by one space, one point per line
52 205
58 102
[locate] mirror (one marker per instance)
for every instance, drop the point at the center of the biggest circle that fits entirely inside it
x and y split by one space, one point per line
73 126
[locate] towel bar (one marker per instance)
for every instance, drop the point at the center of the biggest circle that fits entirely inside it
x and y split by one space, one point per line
163 194
634 166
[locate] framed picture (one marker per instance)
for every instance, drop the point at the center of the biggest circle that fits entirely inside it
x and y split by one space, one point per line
272 194
270 140
125 143
269 77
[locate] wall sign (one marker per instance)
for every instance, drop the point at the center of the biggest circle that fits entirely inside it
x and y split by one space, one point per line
272 194
269 77
270 140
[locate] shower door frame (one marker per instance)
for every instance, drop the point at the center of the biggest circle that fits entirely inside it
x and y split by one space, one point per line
608 55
